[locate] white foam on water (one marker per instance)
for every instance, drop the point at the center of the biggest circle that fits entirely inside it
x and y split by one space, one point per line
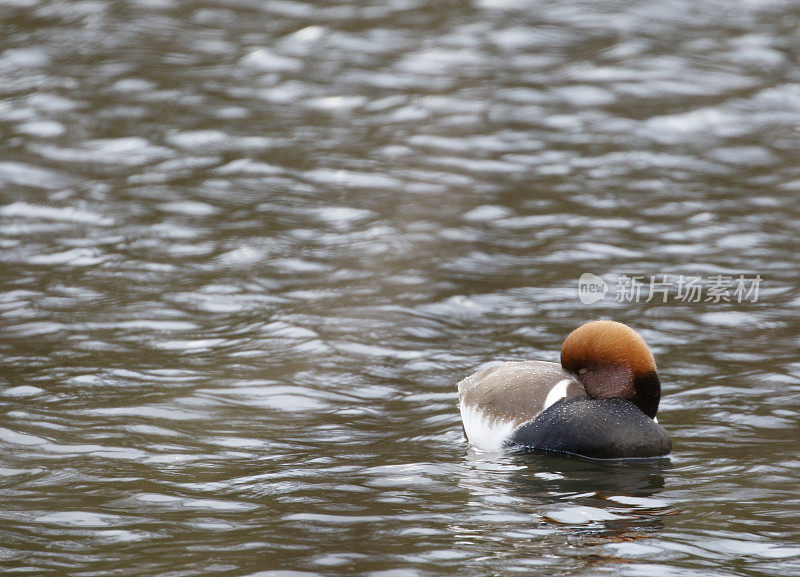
57 213
42 128
21 174
22 391
266 60
486 212
125 151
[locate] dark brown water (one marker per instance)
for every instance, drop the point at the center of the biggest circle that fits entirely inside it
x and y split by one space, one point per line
248 248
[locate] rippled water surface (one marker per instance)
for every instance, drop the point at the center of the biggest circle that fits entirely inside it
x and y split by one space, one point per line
248 248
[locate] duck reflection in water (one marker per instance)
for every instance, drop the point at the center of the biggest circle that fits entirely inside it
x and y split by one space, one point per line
588 504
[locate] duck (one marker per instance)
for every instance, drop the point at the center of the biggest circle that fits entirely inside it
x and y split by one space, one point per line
599 402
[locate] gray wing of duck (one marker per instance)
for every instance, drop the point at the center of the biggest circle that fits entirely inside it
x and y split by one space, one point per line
517 391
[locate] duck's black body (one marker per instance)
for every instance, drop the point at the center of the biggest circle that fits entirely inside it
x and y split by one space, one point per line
597 428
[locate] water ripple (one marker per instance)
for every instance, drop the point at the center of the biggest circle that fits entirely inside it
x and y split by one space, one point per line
247 250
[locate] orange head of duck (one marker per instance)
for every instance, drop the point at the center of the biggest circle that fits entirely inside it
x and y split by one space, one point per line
610 360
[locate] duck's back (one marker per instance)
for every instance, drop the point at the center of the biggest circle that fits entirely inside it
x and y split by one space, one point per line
497 400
